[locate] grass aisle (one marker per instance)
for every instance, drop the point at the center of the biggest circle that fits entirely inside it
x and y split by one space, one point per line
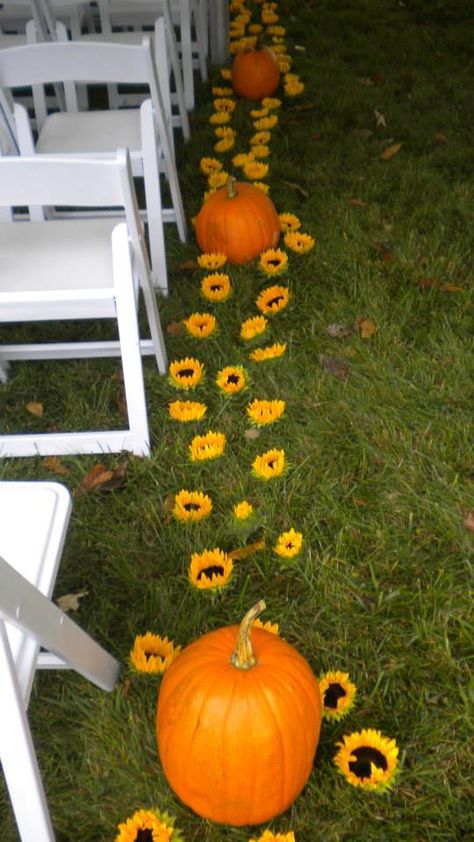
377 432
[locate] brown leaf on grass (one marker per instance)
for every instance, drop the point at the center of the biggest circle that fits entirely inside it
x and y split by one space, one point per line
126 686
52 463
249 549
251 434
384 250
380 120
175 328
440 138
357 203
35 408
117 480
334 366
70 601
390 151
188 265
451 288
367 81
102 478
167 508
337 331
427 283
298 189
366 327
364 134
468 522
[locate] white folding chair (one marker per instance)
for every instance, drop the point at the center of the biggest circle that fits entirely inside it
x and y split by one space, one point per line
190 18
72 269
34 517
146 132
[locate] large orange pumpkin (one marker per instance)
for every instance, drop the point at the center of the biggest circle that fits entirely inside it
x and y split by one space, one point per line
238 220
255 73
238 722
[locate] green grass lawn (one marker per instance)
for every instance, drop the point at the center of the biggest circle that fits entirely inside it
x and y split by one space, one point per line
377 432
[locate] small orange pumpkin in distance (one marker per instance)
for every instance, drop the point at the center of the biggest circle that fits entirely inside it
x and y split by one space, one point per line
238 723
255 73
238 220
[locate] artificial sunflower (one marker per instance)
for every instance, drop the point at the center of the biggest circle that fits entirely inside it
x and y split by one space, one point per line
146 826
265 123
270 352
186 373
273 299
210 165
225 132
212 260
273 628
242 510
260 138
152 653
224 145
220 118
273 261
217 179
200 325
265 188
226 73
224 104
258 112
280 31
220 91
255 29
299 242
270 464
210 569
192 505
253 327
337 694
367 759
293 88
261 150
267 835
289 543
289 222
255 170
284 63
262 412
231 379
242 159
209 446
216 287
269 17
187 410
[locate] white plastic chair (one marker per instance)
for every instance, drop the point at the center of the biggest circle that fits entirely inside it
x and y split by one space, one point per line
146 132
70 269
29 561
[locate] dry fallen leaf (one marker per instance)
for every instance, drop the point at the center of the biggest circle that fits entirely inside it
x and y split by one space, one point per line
334 366
357 203
167 508
380 120
250 549
469 520
297 188
366 327
188 265
251 433
117 480
338 331
390 151
451 288
440 138
367 81
70 601
52 463
35 408
428 283
96 476
174 328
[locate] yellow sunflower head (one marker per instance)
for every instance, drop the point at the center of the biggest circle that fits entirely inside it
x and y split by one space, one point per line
263 412
299 242
256 113
231 379
222 91
261 150
253 327
220 118
152 653
216 287
267 835
242 158
273 261
273 299
226 73
146 824
217 179
272 103
265 124
210 165
293 88
242 510
255 170
212 260
270 352
200 325
210 569
289 222
226 104
260 185
192 505
337 694
222 146
186 373
209 446
260 138
367 759
268 626
187 410
289 544
225 132
269 465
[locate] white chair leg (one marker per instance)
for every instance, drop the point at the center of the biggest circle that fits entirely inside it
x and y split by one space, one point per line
127 321
186 53
18 757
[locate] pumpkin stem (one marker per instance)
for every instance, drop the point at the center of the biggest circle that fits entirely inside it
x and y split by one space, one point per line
231 191
243 657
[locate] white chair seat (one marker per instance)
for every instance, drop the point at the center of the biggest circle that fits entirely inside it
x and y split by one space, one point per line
45 255
91 132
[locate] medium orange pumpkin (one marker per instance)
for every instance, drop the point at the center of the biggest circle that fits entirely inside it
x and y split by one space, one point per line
255 73
238 722
238 220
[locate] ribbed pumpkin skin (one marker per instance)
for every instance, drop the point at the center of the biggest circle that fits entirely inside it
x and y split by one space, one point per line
255 74
240 227
237 746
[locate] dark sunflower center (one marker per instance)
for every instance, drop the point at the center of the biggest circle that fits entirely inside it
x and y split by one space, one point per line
209 572
191 507
333 694
365 755
144 836
233 379
149 655
275 261
185 372
216 287
274 302
271 463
